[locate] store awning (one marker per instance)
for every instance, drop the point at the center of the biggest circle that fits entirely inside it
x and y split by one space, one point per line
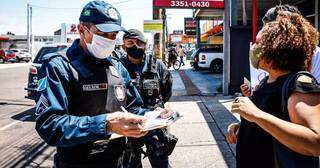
207 14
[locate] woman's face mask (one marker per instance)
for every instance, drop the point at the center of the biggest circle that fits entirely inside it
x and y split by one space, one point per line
255 54
101 47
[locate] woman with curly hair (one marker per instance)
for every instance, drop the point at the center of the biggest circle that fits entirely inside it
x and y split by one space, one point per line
280 122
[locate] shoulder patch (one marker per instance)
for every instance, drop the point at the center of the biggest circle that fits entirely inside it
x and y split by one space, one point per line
304 79
42 84
42 105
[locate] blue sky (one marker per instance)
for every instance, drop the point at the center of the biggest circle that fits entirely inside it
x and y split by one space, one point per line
13 14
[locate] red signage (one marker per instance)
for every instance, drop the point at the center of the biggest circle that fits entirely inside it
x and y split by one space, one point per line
189 26
212 4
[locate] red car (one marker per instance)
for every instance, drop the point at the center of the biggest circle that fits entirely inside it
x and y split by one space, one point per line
9 56
2 54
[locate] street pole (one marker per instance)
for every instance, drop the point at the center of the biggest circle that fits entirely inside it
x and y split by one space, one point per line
244 13
28 28
226 49
163 12
31 34
316 17
254 20
234 12
198 33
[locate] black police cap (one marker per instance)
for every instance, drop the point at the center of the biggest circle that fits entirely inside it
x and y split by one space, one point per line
135 34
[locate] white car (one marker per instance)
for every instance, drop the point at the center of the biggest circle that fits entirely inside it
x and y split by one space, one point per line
212 60
22 55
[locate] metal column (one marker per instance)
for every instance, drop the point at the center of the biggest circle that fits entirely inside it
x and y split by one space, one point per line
226 48
254 20
244 13
28 29
234 13
31 34
198 33
316 17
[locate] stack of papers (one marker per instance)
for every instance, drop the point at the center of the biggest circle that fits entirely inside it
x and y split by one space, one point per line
154 121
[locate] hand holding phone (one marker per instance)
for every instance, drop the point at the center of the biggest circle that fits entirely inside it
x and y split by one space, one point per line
246 87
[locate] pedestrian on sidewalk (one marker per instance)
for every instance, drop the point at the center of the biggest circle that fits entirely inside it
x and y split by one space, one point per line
280 121
80 93
181 54
154 83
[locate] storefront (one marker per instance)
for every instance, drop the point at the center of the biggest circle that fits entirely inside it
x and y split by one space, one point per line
242 21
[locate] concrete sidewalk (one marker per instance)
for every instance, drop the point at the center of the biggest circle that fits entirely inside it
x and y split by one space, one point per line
202 130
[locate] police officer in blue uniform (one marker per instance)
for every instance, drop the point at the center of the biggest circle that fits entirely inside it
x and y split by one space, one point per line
81 91
154 83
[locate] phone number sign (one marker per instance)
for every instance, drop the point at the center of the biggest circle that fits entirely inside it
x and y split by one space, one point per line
210 4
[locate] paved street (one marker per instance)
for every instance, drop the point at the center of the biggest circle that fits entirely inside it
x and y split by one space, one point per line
201 131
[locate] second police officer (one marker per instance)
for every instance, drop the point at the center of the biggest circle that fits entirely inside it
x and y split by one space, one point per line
154 83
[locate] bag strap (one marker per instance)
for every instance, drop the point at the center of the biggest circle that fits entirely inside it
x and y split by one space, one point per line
285 91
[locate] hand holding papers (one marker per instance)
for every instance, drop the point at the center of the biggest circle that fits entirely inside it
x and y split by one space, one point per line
160 118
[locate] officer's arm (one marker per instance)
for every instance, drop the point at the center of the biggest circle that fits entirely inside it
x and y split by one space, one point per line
54 124
166 82
134 100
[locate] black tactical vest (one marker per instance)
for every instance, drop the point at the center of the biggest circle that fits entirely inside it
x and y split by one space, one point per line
148 84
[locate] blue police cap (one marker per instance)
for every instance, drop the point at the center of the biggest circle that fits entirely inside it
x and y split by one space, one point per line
105 17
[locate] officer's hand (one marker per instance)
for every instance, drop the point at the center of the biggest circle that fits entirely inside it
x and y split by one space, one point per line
233 131
165 112
246 91
126 124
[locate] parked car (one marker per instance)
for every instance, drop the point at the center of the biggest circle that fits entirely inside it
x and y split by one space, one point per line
2 55
22 55
208 58
194 58
36 64
211 60
9 56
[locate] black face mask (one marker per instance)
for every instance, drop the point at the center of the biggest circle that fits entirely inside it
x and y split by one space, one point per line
135 52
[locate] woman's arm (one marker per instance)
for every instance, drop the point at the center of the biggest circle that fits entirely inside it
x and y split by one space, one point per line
302 134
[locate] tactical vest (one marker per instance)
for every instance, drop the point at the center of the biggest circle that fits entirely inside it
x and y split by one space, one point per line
148 84
95 90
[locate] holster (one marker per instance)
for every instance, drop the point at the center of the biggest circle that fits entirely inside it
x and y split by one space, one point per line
160 143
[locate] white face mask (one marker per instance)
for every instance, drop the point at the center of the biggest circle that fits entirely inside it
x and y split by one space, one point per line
101 47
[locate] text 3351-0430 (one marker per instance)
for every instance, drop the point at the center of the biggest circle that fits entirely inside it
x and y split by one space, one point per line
198 4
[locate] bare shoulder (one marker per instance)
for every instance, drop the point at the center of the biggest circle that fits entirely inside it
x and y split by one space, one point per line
304 107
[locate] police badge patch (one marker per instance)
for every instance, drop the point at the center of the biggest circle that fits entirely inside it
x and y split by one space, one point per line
120 92
112 13
42 105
